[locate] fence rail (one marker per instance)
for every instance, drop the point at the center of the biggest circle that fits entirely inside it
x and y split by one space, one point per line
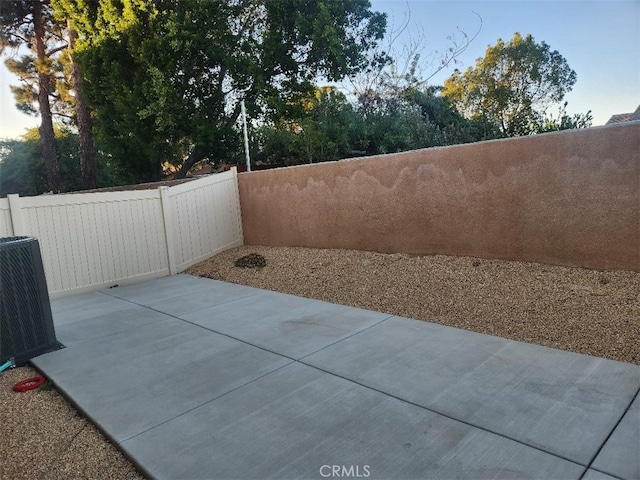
94 240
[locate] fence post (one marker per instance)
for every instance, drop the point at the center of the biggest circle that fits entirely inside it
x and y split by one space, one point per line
15 207
168 228
238 206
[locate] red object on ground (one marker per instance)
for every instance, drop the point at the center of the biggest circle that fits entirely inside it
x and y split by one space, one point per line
30 383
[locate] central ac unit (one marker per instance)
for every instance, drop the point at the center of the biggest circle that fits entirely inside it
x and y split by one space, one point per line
26 323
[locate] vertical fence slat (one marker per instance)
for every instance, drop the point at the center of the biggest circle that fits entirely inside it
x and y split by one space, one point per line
6 228
236 190
15 207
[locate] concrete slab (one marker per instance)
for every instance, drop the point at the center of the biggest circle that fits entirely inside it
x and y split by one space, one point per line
127 317
620 456
215 293
265 304
174 286
300 423
560 402
284 324
595 475
124 345
133 380
80 307
189 402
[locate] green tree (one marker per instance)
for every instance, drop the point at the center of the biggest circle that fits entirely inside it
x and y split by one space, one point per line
410 118
398 110
396 129
82 115
22 168
512 85
564 121
166 78
30 23
51 82
448 125
322 131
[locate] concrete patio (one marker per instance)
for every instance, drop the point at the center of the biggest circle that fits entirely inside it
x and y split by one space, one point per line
197 378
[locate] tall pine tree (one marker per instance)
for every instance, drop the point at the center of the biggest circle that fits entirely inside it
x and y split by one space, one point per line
30 23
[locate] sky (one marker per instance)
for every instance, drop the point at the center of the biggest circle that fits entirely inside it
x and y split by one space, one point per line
599 39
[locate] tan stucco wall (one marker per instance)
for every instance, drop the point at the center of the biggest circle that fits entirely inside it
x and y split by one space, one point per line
567 198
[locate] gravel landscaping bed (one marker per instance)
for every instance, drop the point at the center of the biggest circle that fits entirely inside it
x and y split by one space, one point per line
43 437
581 310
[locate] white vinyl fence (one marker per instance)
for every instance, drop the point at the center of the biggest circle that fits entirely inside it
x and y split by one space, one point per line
94 240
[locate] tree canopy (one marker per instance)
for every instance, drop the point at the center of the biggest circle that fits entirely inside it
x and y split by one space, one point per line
160 84
22 168
166 77
512 85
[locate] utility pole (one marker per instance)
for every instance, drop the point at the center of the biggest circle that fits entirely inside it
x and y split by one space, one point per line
246 137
